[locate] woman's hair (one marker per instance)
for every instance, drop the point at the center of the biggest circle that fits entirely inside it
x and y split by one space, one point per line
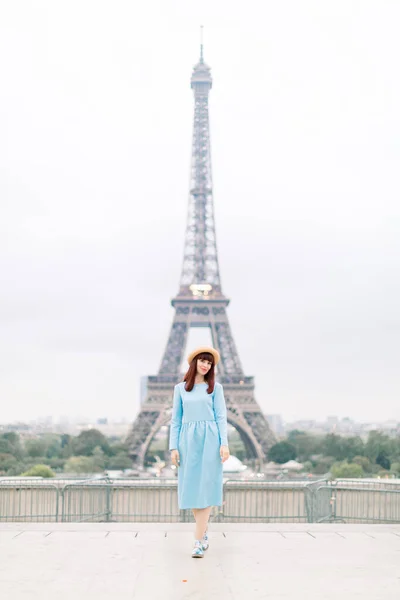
192 370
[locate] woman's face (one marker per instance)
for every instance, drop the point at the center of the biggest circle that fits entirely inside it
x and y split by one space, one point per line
203 366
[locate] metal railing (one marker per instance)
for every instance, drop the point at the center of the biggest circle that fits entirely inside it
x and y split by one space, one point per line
340 502
27 501
155 500
265 502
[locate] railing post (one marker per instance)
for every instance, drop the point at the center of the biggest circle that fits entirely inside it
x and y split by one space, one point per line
63 503
57 504
309 503
108 507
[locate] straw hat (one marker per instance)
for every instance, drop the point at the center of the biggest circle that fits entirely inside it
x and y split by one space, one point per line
201 349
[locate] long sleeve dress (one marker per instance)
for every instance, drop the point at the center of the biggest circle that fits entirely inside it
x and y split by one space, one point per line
198 429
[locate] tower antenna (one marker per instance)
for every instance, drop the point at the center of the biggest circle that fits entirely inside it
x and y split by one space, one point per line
201 43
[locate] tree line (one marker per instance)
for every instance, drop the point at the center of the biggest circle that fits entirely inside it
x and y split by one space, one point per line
52 453
92 452
341 456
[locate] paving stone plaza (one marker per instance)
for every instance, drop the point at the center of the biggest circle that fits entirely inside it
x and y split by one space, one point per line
70 561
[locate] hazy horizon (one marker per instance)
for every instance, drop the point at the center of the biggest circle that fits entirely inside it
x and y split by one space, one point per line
122 419
96 114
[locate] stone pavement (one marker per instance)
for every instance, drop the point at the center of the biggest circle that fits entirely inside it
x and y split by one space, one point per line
121 561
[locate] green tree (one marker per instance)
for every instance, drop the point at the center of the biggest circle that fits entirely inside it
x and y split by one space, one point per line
99 459
16 469
282 452
35 447
305 444
333 445
352 446
85 443
364 462
395 469
56 464
236 445
79 464
320 469
119 446
396 448
7 461
344 469
53 445
66 441
10 444
120 461
12 437
39 471
322 464
383 460
379 442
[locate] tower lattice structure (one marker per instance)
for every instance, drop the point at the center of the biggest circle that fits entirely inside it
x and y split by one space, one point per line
201 303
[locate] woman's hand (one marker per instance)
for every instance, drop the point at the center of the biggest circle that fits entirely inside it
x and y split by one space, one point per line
175 457
224 452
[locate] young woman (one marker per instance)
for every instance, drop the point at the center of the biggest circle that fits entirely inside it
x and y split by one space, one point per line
198 441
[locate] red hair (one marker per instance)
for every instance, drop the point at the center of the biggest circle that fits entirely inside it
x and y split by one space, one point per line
192 372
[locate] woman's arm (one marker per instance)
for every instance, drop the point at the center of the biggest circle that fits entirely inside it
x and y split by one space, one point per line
220 414
176 419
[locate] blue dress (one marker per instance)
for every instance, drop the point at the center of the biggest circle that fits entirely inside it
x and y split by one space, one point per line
198 429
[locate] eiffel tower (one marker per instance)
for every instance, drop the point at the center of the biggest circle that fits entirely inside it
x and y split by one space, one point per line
201 303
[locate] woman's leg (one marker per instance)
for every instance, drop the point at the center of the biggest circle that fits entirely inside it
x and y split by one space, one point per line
202 516
194 511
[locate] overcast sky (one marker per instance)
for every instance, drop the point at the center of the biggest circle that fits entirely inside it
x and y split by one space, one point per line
95 139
